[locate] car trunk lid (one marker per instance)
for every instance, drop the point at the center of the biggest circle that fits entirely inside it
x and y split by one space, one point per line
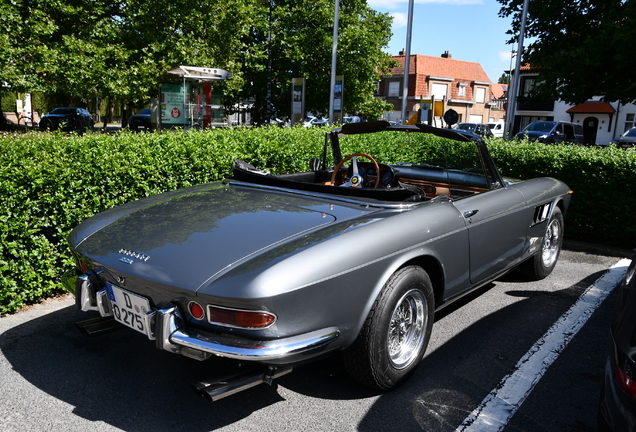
186 239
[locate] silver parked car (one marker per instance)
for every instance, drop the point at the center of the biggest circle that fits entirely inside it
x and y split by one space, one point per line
627 139
352 256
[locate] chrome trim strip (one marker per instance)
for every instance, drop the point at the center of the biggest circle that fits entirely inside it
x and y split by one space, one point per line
326 196
171 337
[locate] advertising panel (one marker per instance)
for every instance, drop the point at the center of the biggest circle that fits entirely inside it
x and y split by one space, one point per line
298 100
338 99
174 101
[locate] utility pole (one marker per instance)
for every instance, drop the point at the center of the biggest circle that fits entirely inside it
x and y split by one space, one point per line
334 50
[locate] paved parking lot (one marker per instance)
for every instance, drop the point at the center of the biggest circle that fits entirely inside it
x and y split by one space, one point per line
54 377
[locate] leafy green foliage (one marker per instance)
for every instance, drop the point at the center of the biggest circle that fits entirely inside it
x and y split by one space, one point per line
580 47
114 48
601 209
50 182
301 46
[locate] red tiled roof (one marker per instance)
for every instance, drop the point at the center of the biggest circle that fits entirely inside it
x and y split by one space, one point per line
592 108
498 90
441 67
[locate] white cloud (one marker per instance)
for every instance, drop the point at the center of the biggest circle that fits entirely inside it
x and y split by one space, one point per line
384 4
399 19
505 56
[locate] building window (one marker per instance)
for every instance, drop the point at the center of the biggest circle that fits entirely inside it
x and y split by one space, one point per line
376 92
630 121
527 84
394 89
439 91
480 94
461 90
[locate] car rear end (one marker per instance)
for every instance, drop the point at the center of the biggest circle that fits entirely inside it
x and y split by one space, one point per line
617 409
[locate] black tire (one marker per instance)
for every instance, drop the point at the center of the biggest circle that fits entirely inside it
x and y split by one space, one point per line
542 263
396 332
45 124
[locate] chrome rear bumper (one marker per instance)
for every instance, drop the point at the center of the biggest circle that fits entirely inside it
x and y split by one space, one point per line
167 328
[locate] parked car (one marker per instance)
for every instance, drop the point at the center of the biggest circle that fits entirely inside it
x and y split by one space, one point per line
140 120
552 132
497 129
351 256
627 140
315 121
476 128
67 118
617 408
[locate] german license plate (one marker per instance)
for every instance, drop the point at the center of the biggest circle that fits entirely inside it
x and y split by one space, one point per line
129 308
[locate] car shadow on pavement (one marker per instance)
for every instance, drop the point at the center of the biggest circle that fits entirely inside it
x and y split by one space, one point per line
452 381
120 378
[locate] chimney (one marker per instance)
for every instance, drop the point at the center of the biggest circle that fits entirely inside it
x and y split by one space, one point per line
447 55
402 52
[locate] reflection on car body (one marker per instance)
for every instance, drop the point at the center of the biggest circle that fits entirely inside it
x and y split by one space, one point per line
354 255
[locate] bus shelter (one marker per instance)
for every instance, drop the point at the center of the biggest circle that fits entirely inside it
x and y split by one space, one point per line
195 103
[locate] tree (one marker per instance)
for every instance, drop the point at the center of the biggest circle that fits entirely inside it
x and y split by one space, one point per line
112 48
504 79
121 48
582 48
302 46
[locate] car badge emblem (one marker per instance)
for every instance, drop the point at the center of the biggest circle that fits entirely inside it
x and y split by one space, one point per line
132 254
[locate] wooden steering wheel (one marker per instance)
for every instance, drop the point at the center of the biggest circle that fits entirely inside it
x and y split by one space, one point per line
356 179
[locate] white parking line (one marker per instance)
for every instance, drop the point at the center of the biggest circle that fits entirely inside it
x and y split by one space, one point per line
496 410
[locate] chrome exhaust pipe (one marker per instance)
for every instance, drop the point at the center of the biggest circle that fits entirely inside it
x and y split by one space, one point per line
214 390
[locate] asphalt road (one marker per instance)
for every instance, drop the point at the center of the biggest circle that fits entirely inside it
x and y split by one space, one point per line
52 377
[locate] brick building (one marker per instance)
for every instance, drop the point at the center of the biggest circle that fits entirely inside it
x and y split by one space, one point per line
464 86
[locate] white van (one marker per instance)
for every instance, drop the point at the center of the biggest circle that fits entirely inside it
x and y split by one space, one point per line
497 129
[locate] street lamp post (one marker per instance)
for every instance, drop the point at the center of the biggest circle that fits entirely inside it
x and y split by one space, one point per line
513 88
268 102
407 62
334 50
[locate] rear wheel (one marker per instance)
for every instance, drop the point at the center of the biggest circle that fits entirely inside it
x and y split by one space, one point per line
396 332
543 262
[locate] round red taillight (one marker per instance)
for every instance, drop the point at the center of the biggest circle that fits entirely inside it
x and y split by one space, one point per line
196 310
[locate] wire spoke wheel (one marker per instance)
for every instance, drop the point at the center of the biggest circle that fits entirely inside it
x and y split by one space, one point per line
406 329
551 243
396 332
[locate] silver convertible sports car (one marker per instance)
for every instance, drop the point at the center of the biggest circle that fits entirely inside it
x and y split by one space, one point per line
351 256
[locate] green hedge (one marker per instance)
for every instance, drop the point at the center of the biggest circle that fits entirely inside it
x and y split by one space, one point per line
49 182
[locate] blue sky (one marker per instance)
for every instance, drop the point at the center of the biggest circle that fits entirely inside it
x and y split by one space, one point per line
470 30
